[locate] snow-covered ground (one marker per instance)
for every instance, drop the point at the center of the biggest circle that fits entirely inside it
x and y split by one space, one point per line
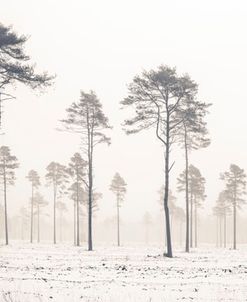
60 273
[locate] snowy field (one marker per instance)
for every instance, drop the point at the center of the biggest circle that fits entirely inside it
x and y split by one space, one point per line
64 273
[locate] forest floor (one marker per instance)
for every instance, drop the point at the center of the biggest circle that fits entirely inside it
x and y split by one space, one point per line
30 273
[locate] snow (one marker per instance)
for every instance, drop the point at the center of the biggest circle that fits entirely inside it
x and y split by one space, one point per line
60 273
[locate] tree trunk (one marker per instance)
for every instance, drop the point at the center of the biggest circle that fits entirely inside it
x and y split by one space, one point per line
187 247
31 238
5 207
220 218
90 201
195 218
60 227
191 219
217 231
166 208
234 227
74 222
78 209
224 228
118 226
90 190
38 229
54 217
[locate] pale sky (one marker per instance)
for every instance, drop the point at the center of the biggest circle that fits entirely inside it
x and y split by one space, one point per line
102 45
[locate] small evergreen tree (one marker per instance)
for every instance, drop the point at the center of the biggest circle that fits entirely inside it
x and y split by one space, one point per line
118 187
57 177
34 179
77 172
8 164
39 204
196 190
235 181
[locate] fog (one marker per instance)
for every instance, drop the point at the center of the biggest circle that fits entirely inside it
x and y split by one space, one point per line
101 46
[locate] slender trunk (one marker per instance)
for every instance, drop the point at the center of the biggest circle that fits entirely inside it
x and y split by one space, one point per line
90 201
235 217
187 247
195 218
118 226
191 219
5 207
54 217
234 227
217 231
166 208
90 189
60 227
180 232
220 218
74 222
38 229
31 233
77 209
224 228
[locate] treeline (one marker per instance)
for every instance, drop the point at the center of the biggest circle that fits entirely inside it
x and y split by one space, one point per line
161 100
66 182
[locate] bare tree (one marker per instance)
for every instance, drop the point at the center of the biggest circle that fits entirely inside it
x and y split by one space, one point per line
159 98
118 187
86 117
34 179
57 177
8 164
77 167
235 180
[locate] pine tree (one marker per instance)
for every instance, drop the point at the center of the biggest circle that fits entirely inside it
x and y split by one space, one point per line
196 191
193 135
159 98
34 179
39 204
77 194
235 181
87 118
221 211
13 63
57 177
76 170
118 187
8 164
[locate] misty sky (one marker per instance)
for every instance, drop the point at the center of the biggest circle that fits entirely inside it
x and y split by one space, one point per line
102 45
